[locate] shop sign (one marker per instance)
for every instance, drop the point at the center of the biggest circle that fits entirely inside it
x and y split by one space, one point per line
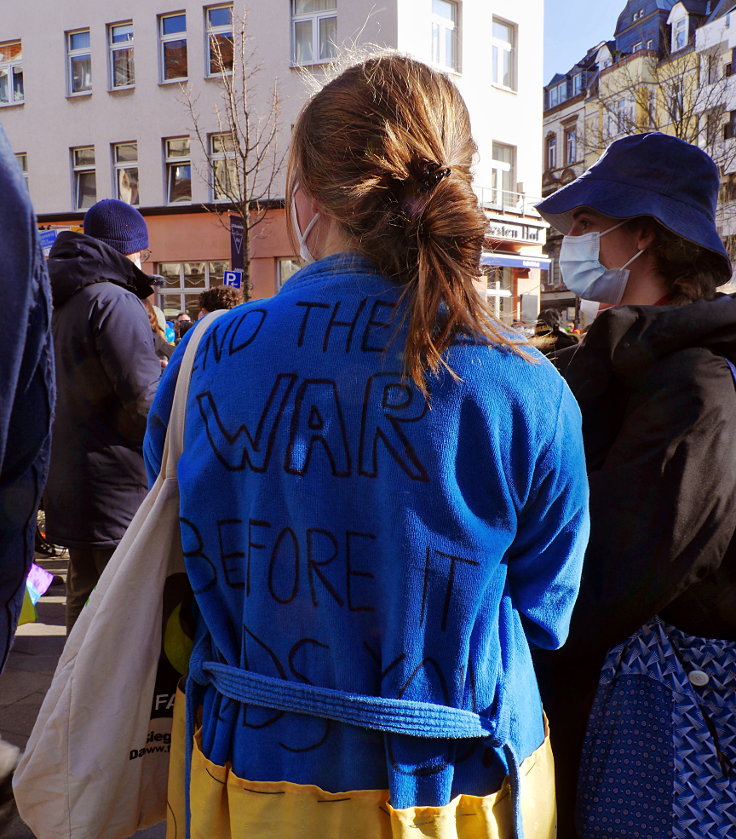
515 232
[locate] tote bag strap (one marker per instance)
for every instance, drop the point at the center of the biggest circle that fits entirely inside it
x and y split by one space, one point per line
174 443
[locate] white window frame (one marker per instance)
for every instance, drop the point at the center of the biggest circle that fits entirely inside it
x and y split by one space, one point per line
79 169
551 151
286 267
709 68
11 66
503 171
187 296
215 32
651 106
441 26
121 46
119 167
557 94
501 48
215 156
571 145
626 114
499 291
22 158
73 53
316 18
577 83
612 129
678 99
679 28
163 39
171 162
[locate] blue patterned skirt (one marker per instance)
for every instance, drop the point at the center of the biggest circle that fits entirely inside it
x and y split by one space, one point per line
659 759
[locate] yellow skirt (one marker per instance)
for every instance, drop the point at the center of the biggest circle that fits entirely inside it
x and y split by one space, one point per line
224 805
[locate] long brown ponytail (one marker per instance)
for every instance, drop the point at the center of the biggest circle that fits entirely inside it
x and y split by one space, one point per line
385 149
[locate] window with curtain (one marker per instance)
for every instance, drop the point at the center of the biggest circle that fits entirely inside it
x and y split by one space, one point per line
314 31
11 73
79 62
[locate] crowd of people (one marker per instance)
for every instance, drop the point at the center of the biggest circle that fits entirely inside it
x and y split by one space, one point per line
486 585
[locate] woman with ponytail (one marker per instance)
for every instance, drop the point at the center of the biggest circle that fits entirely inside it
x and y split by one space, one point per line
383 505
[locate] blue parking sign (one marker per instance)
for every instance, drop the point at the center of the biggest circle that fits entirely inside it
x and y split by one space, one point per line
233 279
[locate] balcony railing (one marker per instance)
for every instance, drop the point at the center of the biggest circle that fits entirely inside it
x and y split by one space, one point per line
502 201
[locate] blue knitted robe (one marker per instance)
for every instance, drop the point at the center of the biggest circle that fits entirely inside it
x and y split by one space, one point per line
339 530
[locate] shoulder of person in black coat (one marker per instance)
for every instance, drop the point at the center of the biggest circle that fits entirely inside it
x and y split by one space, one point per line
658 404
26 384
77 260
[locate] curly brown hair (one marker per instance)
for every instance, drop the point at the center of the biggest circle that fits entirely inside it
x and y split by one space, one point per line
220 297
691 272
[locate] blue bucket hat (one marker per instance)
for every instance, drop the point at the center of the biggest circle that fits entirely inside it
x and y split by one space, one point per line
650 174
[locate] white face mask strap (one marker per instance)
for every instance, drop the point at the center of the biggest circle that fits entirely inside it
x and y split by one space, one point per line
615 227
311 224
302 235
635 256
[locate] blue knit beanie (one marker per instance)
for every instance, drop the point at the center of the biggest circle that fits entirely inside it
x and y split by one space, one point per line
118 225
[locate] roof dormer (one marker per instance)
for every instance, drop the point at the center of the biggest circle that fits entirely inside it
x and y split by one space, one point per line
604 57
679 21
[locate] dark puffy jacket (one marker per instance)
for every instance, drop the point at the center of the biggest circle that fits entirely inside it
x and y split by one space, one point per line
659 424
107 374
26 387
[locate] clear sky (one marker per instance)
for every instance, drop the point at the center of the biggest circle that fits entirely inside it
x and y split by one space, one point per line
571 27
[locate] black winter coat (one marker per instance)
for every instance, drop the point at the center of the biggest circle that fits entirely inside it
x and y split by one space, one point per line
107 374
659 423
26 388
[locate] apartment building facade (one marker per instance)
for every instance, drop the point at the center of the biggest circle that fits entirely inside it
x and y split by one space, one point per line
715 43
94 101
668 68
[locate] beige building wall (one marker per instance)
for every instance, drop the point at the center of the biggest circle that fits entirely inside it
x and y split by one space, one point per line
51 122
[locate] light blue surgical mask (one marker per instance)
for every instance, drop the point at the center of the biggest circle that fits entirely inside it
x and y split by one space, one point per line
582 270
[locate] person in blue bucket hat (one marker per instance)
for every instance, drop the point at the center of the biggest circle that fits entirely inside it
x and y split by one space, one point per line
640 699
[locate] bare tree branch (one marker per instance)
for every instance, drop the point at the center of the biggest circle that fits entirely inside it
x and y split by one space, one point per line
684 94
244 172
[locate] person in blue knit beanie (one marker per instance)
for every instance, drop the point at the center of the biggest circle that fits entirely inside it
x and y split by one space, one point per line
118 225
383 505
107 374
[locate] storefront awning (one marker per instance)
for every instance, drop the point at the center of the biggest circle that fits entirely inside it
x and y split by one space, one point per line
515 260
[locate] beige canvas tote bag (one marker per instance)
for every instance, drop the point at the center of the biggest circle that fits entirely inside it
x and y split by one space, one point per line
96 764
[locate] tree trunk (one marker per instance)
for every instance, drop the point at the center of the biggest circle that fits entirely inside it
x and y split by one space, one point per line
246 287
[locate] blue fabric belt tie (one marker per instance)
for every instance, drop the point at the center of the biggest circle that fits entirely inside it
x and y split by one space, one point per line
391 716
